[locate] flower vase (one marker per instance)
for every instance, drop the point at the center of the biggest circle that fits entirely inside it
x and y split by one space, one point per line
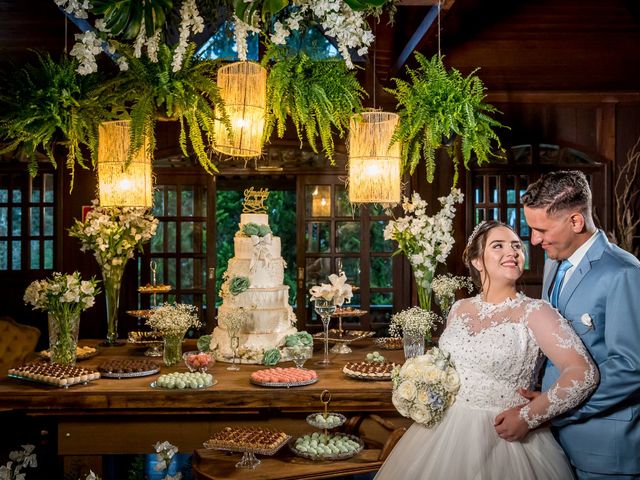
63 337
172 353
424 296
112 280
413 343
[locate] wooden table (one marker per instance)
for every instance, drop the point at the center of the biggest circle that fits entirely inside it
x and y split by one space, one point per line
87 416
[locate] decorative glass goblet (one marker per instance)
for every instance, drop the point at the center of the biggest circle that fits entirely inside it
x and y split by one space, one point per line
325 308
235 342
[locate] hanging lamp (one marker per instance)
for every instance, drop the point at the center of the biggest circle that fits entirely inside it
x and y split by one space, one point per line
122 183
243 87
374 164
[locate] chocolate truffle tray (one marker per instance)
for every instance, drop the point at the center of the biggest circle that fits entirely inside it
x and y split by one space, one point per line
127 368
53 374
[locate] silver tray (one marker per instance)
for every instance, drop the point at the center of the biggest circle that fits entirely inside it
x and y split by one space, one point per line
129 374
337 456
283 384
40 382
347 336
155 385
260 451
311 421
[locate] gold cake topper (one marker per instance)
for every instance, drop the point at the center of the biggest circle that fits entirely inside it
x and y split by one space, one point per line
254 200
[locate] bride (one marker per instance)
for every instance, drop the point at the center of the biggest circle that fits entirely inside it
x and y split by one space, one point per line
495 341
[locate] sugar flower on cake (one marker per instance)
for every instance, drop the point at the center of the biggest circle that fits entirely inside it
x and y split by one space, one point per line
337 290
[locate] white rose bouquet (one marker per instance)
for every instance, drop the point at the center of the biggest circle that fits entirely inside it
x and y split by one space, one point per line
425 240
425 386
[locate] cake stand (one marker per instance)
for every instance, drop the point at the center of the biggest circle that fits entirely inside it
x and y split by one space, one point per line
345 337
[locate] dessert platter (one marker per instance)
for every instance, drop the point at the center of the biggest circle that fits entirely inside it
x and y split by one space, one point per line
369 370
127 368
388 343
248 441
184 381
150 340
53 374
342 338
284 377
82 353
159 288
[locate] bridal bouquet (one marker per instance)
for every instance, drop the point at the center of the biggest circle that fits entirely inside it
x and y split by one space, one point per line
337 290
425 240
425 386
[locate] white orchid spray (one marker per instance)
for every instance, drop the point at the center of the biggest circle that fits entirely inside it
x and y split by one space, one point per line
165 453
19 460
337 290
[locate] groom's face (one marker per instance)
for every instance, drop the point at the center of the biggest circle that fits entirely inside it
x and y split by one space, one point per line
554 233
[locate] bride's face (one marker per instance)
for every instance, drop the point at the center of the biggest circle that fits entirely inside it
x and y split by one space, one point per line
503 257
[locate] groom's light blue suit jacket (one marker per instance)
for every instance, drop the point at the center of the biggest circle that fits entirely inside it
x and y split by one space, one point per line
603 434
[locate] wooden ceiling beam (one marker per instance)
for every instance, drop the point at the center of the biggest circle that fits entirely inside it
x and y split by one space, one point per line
415 41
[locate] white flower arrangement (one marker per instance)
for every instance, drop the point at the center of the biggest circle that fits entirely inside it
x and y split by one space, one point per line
114 233
425 240
19 460
413 321
444 289
234 319
338 290
165 453
425 386
174 319
190 22
62 294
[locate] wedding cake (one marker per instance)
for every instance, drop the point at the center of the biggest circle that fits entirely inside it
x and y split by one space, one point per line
255 307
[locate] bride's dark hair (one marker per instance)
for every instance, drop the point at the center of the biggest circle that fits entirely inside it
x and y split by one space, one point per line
475 248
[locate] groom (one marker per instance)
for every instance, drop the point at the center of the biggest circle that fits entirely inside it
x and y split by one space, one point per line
596 286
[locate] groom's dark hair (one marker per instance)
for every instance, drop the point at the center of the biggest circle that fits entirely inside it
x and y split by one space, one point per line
560 191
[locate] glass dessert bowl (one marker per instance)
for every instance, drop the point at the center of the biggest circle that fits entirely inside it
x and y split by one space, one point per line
299 354
198 361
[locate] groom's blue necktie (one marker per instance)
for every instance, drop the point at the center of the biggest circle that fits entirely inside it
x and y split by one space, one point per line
557 283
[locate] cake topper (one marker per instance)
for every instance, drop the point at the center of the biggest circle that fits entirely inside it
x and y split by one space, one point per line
254 200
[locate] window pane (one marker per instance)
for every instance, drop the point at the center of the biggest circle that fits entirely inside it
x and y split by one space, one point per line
4 192
4 221
511 189
171 277
157 241
186 273
48 220
158 202
171 236
187 201
524 228
48 187
318 200
186 237
527 252
171 208
524 183
317 237
35 254
35 221
479 215
16 219
494 189
478 189
378 243
16 255
351 268
511 218
347 237
382 299
17 194
4 254
317 271
381 272
343 207
48 254
493 214
35 190
377 210
202 204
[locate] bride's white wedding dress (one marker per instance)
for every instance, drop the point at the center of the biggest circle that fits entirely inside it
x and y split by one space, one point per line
495 349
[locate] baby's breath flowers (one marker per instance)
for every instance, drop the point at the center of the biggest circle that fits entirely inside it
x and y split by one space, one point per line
174 319
413 321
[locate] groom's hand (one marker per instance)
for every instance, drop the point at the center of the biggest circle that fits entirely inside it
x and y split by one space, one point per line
510 426
528 394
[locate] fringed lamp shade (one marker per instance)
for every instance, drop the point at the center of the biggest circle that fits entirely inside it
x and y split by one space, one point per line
243 87
374 166
119 184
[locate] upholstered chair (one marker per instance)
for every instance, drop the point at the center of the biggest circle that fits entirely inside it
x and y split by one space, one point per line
17 343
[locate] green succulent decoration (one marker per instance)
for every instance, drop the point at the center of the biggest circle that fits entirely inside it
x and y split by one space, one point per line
434 105
320 96
153 91
49 103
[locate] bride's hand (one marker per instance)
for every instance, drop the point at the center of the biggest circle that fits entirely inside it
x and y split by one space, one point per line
510 426
528 394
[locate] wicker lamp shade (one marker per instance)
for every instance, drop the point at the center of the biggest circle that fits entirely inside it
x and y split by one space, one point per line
119 184
374 165
243 87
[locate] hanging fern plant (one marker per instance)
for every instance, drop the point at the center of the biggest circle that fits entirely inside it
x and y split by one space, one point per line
436 104
47 104
154 91
320 96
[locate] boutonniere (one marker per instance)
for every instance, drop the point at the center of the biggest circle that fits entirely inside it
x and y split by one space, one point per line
586 320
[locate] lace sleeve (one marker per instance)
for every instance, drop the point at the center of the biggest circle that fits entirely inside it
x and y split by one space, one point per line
578 374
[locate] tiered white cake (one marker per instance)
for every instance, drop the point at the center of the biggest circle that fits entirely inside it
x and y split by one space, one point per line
269 317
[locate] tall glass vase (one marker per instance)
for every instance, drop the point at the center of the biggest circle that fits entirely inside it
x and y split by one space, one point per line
423 286
112 279
172 349
63 336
